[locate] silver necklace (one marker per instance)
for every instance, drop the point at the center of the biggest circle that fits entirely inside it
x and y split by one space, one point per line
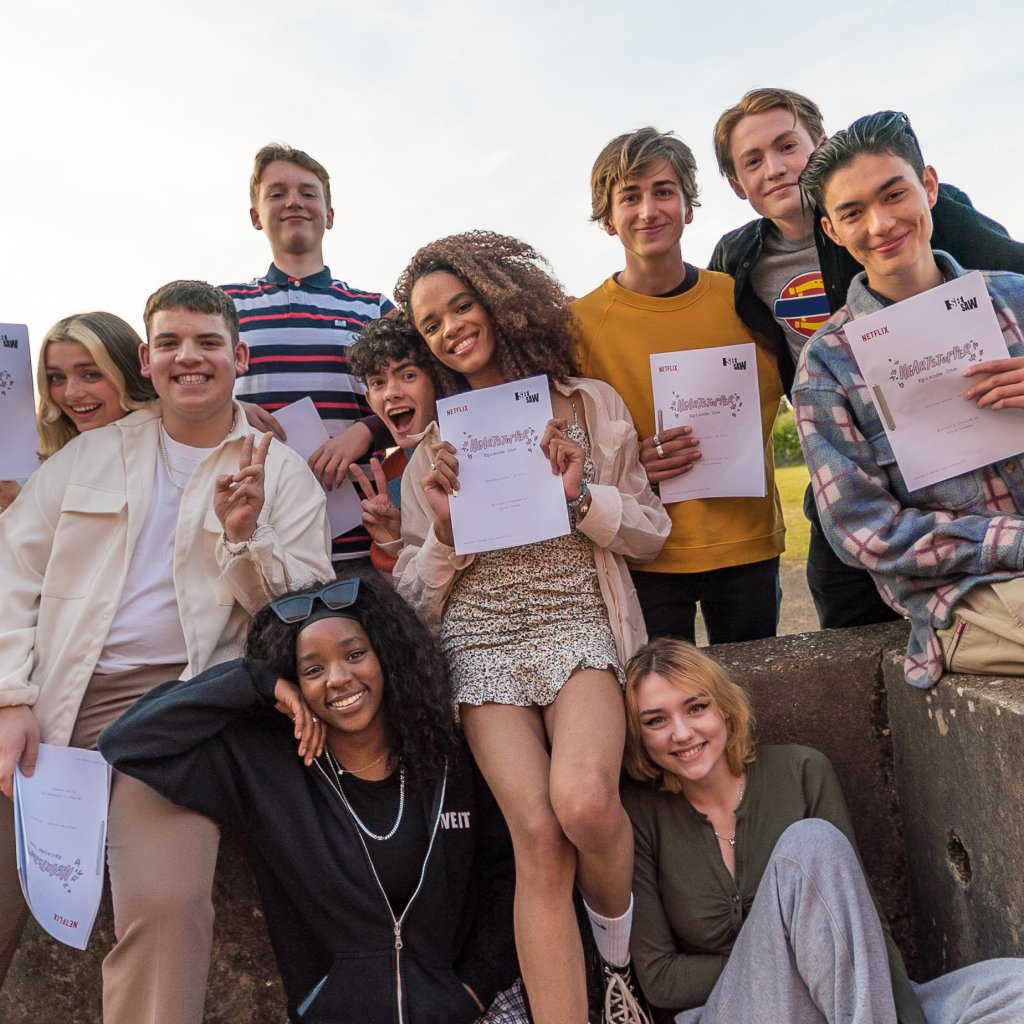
731 840
167 461
335 782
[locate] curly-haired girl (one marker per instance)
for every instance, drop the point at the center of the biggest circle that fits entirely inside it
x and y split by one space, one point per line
536 634
383 865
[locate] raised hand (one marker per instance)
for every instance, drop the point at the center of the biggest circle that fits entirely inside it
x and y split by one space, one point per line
440 485
238 499
381 517
566 457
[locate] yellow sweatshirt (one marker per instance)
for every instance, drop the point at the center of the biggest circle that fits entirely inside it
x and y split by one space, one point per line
620 330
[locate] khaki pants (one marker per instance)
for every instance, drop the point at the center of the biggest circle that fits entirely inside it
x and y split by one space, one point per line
161 860
986 635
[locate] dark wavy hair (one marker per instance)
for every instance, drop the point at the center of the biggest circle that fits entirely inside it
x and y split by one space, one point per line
417 689
532 316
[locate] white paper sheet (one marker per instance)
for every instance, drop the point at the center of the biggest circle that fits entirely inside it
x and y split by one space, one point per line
508 494
60 830
306 432
912 356
715 391
18 458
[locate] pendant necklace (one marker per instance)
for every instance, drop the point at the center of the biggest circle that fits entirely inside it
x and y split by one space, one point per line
731 840
335 781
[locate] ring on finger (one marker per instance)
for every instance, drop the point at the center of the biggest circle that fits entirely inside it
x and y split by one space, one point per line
433 465
315 719
658 449
656 441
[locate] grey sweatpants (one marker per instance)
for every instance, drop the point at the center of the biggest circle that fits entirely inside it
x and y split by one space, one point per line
812 951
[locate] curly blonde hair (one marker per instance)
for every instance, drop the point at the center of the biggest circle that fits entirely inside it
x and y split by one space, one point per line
532 317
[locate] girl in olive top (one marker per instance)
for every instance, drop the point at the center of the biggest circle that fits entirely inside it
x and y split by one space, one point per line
751 902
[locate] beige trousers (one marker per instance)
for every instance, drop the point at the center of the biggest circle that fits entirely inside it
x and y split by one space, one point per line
986 635
161 860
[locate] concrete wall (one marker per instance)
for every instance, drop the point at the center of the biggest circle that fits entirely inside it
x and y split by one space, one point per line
932 780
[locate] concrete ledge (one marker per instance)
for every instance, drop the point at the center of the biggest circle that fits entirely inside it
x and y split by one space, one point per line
959 752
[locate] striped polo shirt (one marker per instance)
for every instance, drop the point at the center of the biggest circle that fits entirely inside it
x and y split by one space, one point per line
298 333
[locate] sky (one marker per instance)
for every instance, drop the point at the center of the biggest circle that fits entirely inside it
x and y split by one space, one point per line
129 128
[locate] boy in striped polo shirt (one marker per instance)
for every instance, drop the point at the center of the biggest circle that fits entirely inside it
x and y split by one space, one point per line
298 320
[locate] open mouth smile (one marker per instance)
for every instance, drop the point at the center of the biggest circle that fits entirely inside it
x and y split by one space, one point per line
690 753
401 417
351 700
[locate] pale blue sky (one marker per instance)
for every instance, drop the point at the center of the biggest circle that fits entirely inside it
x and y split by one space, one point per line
129 127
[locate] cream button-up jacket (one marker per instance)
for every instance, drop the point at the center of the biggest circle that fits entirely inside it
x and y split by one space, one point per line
66 543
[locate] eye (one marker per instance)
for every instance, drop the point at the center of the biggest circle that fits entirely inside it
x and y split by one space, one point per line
849 215
55 378
751 163
897 195
375 383
464 307
311 670
357 654
698 709
92 376
654 721
428 329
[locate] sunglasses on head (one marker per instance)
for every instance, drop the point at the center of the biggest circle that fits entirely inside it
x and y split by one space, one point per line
336 596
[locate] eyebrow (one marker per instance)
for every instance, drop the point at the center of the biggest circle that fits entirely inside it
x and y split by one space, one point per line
458 296
839 207
346 641
686 703
85 365
174 335
657 184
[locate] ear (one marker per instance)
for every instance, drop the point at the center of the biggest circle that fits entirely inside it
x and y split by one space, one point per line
930 180
329 222
826 226
241 357
255 218
688 219
737 188
609 227
144 360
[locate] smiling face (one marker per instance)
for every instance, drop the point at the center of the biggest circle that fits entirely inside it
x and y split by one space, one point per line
78 388
682 731
339 675
291 209
456 327
648 214
402 395
192 363
769 150
879 210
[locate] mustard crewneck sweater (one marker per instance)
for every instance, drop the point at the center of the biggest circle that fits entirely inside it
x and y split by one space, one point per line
620 330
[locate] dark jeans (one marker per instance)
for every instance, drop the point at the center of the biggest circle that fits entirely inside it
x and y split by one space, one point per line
843 596
740 602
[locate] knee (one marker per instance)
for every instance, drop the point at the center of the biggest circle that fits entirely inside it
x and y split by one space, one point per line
589 812
814 839
544 856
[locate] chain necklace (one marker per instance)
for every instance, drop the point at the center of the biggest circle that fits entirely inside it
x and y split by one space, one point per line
731 840
335 782
167 462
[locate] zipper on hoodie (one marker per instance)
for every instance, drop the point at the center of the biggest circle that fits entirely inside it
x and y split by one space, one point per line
397 921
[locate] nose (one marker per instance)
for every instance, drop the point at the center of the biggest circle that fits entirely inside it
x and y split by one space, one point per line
293 198
878 219
73 388
681 730
188 352
648 207
773 165
338 673
392 388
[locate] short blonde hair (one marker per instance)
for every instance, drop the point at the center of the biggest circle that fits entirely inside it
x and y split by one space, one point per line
633 154
760 101
114 347
684 666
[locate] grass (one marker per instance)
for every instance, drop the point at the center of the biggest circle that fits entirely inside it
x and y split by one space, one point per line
792 482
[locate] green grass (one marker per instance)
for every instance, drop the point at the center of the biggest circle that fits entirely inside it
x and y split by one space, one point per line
792 482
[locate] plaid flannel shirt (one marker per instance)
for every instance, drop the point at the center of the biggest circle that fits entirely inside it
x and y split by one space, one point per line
926 548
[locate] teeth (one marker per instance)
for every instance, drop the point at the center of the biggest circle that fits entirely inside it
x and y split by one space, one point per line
84 408
346 701
191 378
459 346
400 411
690 752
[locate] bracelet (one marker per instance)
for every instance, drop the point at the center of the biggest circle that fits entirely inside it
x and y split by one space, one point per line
573 505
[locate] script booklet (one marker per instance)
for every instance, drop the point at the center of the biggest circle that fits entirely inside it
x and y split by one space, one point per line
508 495
912 356
18 458
60 831
306 432
715 391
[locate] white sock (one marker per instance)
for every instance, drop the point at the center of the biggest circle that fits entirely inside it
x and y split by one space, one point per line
611 934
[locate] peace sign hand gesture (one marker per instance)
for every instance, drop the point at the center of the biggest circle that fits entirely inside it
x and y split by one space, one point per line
238 499
381 517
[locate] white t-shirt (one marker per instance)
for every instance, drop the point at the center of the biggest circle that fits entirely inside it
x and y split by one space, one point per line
146 629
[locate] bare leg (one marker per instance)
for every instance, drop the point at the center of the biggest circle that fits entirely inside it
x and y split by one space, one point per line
587 726
510 747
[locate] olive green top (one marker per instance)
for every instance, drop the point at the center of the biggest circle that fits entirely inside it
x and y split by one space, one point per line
689 909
